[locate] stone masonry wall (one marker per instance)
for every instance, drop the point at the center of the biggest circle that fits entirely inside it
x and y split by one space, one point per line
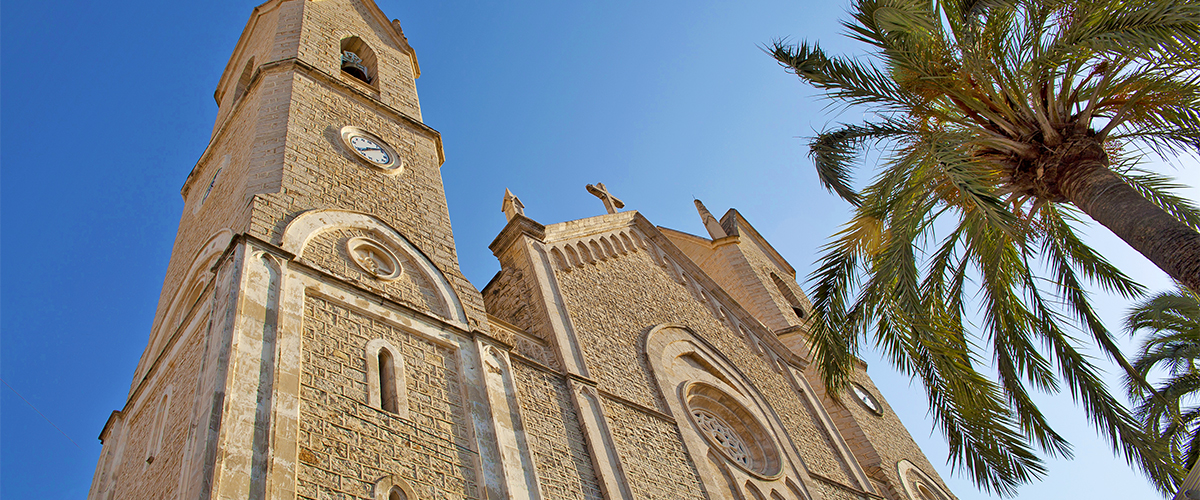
509 298
652 454
556 442
136 478
321 173
613 302
328 252
346 445
248 135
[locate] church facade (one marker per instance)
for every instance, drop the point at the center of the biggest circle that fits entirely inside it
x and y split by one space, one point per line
315 338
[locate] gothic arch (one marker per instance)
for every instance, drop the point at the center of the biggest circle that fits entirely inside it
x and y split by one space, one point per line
732 434
301 230
387 386
195 280
358 60
391 487
917 484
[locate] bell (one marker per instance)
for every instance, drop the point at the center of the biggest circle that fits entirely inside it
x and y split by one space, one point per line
352 64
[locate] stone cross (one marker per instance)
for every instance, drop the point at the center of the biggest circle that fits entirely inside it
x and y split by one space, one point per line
611 203
512 205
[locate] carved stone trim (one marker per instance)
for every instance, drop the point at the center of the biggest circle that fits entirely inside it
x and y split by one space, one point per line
384 487
374 258
307 225
917 484
732 430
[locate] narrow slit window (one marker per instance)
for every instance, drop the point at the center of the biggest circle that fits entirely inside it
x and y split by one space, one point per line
790 297
244 81
161 414
387 382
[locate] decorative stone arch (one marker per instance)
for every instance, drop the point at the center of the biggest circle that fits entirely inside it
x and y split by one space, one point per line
560 262
358 60
917 484
196 279
393 487
161 406
628 242
309 224
243 82
596 250
790 297
723 417
387 386
572 255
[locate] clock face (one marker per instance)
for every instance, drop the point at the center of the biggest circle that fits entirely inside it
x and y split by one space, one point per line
866 399
370 150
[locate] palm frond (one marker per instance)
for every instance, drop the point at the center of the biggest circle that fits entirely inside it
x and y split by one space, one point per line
979 98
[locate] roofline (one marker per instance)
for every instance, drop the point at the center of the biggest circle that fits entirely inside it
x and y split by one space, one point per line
395 33
735 223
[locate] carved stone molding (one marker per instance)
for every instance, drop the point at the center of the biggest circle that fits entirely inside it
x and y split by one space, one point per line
374 258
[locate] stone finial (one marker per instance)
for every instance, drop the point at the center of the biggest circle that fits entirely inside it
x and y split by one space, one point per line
611 203
715 231
512 205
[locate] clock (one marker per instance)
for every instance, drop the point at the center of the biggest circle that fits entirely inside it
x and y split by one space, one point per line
371 149
864 396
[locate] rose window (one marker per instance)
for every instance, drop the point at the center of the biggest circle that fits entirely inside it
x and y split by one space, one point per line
732 430
721 434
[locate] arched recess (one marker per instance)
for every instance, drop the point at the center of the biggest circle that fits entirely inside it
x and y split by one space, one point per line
162 414
309 224
387 385
790 296
393 487
714 405
358 60
195 280
243 82
917 484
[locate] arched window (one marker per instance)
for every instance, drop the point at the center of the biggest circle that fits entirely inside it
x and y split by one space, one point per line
358 60
392 487
158 429
386 381
917 484
244 81
790 297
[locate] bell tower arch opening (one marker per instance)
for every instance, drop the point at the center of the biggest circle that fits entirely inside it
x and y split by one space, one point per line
358 60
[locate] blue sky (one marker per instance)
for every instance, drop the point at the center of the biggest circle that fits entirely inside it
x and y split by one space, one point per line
107 106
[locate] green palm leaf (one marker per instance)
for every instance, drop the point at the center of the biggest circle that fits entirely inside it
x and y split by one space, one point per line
1000 124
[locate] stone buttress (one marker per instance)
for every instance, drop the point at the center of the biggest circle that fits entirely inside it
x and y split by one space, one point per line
683 362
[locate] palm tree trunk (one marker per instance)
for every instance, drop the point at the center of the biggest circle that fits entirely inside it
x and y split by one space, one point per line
1168 243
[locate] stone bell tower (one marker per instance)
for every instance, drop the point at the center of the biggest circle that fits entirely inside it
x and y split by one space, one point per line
315 337
314 260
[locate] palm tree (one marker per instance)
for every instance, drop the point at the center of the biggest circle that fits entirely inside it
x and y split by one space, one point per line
999 125
1169 411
